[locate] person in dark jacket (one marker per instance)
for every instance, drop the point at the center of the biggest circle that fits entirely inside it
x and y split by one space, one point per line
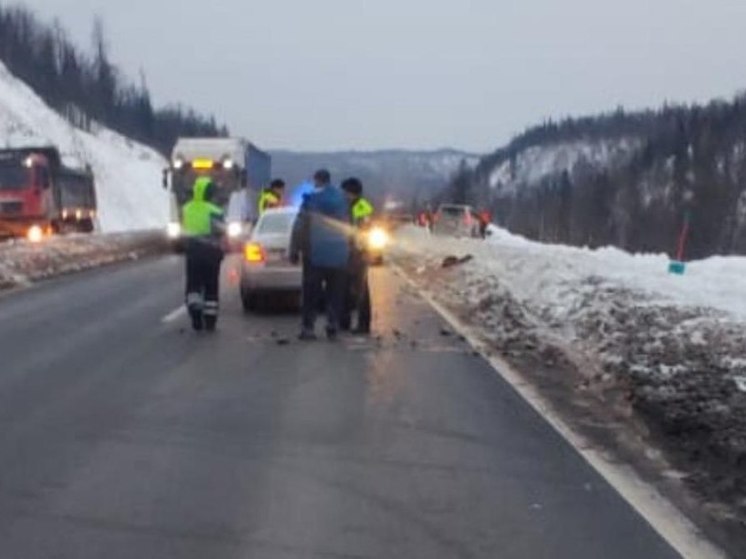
322 237
203 226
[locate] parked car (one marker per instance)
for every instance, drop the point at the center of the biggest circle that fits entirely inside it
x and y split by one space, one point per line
456 220
266 270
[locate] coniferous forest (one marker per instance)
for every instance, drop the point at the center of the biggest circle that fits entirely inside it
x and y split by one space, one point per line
86 86
624 179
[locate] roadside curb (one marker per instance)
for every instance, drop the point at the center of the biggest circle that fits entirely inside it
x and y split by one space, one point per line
665 518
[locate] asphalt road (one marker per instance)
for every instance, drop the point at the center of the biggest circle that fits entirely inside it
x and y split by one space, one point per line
124 436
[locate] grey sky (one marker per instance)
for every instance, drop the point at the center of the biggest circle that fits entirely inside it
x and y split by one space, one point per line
325 74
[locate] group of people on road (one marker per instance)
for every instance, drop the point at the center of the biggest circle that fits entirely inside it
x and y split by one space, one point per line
327 238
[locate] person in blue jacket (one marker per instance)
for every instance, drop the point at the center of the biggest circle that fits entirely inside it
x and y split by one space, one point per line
321 236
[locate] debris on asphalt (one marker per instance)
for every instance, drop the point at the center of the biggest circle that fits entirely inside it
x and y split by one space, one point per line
451 261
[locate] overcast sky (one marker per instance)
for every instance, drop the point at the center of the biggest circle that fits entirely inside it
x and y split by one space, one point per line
330 74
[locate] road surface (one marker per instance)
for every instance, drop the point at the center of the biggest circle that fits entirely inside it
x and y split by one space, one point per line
123 435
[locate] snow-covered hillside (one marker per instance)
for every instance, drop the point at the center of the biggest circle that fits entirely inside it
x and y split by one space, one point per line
536 164
127 173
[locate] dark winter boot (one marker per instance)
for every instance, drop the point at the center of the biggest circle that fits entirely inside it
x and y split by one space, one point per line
211 315
197 319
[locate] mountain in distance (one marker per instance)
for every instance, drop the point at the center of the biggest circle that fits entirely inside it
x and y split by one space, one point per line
627 179
409 177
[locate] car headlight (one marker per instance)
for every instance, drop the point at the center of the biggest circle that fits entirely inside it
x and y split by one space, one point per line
378 239
173 230
235 230
35 234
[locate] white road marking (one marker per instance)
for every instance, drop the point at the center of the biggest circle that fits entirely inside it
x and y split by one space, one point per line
670 523
175 315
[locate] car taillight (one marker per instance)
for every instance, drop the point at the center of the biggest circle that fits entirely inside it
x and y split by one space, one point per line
254 253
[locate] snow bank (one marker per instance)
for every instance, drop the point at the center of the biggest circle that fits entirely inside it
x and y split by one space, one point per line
544 272
127 174
673 346
22 263
550 274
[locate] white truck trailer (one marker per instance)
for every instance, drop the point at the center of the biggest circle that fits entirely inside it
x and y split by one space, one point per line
239 169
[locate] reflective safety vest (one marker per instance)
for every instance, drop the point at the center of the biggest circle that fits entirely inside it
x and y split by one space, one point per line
362 211
268 200
199 215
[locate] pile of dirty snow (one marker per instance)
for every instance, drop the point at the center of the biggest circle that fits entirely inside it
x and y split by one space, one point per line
675 344
22 263
128 174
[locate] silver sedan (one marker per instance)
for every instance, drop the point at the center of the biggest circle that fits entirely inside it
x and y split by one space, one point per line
266 270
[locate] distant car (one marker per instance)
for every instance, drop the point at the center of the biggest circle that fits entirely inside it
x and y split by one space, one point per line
266 269
377 241
394 221
456 220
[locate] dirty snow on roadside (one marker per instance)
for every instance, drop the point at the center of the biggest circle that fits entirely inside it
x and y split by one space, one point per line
127 174
676 343
23 263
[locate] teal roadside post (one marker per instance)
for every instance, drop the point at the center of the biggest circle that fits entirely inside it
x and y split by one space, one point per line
678 266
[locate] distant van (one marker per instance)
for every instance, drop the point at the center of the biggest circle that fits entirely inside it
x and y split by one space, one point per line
456 220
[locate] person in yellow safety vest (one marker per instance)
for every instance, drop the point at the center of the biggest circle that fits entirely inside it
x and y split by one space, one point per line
358 293
203 226
272 197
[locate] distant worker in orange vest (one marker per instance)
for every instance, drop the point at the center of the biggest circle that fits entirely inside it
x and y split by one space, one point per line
485 219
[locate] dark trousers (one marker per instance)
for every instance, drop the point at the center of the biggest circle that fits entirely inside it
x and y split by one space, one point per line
203 280
358 297
323 286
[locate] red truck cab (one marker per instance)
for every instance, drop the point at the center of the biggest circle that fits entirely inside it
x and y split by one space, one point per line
39 196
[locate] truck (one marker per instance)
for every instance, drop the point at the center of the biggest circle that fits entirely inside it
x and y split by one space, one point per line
239 169
40 196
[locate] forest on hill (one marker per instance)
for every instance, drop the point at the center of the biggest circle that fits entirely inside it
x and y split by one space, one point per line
87 87
623 179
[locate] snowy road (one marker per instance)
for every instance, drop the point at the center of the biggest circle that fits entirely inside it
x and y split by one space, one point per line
121 435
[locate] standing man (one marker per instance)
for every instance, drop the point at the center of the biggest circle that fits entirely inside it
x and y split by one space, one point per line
321 236
203 225
272 197
361 215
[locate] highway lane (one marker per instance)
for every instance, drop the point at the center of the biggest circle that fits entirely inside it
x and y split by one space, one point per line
125 436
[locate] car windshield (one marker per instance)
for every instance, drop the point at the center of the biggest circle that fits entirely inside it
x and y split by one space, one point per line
13 177
276 224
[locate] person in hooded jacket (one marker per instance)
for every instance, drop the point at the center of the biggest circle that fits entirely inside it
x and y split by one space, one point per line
321 236
203 226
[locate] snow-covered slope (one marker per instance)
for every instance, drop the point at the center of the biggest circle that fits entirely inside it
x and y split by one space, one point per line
127 173
536 164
